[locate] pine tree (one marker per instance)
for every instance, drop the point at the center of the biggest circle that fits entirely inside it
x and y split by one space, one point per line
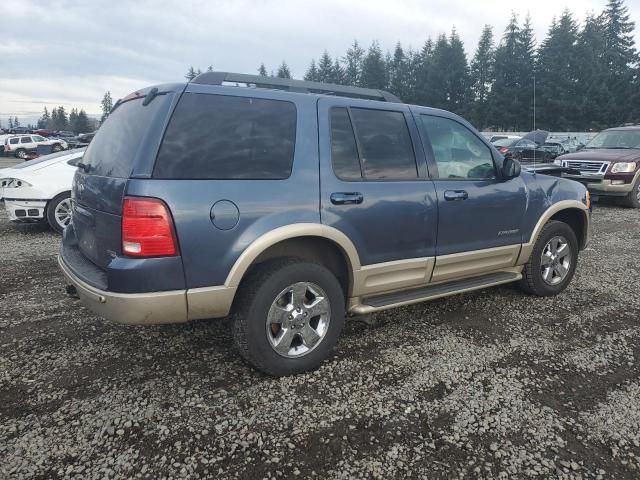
621 58
423 66
63 121
82 122
325 68
399 73
45 119
482 77
353 64
210 68
107 106
311 74
16 122
592 75
438 75
191 74
53 123
374 70
73 120
10 122
338 73
283 71
262 71
556 79
457 75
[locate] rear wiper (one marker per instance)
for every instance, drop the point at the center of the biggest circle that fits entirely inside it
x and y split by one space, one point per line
83 166
153 93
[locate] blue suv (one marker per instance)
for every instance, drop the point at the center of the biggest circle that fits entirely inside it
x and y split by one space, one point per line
287 205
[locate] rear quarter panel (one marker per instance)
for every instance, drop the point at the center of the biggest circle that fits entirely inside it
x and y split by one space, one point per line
208 253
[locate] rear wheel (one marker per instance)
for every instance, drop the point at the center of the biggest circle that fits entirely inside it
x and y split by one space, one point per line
633 198
288 316
22 153
553 261
59 212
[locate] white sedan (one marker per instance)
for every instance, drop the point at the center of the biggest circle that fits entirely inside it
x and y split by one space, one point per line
40 189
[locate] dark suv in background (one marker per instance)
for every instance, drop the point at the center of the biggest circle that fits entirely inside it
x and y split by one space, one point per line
289 204
609 165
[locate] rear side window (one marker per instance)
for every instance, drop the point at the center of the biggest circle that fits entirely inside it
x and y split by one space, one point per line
13 141
385 145
113 151
25 140
344 152
224 137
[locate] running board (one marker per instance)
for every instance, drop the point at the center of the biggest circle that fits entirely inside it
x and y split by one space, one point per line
407 297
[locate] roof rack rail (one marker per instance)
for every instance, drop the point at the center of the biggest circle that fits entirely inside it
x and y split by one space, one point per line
299 86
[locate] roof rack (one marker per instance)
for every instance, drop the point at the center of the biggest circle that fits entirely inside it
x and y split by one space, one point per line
300 86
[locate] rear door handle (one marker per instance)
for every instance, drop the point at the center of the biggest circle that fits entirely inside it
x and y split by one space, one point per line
347 198
455 195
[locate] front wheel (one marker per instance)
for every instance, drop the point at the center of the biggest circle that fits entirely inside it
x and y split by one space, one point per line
288 317
56 148
59 212
553 261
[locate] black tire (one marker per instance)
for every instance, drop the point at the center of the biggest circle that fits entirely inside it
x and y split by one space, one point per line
632 200
22 154
50 211
532 277
56 148
256 296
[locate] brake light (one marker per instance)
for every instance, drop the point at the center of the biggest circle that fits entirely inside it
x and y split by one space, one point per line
147 228
504 149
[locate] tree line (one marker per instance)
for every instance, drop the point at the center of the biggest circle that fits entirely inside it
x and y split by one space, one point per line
586 76
76 121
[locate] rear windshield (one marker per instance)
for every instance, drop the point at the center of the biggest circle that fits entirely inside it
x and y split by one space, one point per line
225 137
113 150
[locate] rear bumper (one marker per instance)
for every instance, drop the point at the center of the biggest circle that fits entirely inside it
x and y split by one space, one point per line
132 308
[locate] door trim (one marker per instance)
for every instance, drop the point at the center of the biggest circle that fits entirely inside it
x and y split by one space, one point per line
466 264
399 274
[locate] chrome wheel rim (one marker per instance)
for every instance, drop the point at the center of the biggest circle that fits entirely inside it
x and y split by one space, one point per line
22 154
638 191
298 320
62 212
555 260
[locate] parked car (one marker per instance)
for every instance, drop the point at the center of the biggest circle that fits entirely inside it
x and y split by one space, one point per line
81 140
609 165
64 134
22 145
287 209
533 148
44 132
19 130
39 190
503 144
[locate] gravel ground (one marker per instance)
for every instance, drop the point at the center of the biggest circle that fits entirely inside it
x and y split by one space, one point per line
492 384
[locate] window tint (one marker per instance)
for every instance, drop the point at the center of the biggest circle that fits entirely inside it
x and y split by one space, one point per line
224 137
386 148
13 141
458 152
114 148
344 153
25 140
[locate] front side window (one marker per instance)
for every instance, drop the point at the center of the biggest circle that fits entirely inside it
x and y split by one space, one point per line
458 153
226 137
38 138
386 151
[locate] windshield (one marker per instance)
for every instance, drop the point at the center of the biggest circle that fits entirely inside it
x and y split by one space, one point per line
616 139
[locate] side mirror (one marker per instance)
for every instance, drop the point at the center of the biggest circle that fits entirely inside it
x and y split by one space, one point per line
510 168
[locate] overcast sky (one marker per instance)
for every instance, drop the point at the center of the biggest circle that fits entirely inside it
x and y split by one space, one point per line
70 52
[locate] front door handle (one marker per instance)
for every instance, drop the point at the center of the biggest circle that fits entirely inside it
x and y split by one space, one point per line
455 195
347 198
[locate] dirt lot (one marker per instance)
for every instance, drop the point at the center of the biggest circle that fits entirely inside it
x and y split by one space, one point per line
492 384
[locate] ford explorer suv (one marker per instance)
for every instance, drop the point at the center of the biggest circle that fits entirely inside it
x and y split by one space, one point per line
288 205
22 145
609 165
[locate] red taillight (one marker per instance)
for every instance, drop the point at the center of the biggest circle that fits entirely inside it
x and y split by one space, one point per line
504 149
147 228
